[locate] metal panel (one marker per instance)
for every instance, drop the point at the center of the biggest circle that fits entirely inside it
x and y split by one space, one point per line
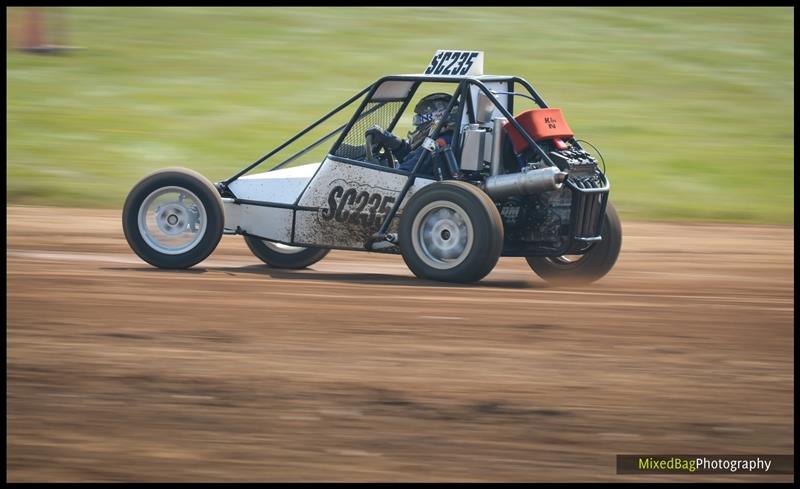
472 149
488 147
499 86
233 214
267 222
392 90
496 158
281 186
352 199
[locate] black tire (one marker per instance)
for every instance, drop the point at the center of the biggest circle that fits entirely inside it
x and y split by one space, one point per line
270 254
592 266
207 238
421 250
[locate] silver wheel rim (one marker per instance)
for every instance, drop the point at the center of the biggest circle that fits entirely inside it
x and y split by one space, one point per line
282 248
566 260
172 220
570 260
442 234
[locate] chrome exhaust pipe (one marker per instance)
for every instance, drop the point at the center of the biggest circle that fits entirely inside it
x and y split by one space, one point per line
524 183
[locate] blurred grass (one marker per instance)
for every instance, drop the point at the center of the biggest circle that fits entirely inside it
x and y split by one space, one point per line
692 108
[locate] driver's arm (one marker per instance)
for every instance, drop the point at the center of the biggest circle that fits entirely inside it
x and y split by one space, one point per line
397 146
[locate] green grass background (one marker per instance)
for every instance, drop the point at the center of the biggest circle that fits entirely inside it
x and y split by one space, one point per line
692 108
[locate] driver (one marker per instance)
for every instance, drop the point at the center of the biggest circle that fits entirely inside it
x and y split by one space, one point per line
427 113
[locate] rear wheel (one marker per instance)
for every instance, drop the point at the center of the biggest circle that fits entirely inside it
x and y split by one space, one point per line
279 255
451 231
173 218
586 268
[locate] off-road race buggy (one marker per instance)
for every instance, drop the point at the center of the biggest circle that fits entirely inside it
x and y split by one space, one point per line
505 186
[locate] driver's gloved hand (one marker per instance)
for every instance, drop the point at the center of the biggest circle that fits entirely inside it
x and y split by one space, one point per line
384 137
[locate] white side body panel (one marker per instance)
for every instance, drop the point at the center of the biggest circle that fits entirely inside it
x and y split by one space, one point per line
281 186
268 222
342 206
349 202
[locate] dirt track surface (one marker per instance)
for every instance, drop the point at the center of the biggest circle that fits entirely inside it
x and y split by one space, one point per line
354 370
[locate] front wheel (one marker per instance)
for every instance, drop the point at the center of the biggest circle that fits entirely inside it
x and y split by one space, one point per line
451 231
173 218
586 268
279 255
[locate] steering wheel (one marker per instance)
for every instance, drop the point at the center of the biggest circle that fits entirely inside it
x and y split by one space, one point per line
379 154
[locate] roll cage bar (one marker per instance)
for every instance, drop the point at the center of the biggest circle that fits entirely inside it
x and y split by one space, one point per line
461 94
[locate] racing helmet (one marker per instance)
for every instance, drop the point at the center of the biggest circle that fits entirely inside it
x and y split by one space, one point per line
427 112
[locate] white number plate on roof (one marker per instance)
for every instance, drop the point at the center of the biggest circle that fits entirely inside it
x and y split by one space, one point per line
456 63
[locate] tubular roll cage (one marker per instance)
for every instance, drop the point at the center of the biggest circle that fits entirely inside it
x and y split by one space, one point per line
584 210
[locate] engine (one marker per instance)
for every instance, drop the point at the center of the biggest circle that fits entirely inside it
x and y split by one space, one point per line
544 217
535 204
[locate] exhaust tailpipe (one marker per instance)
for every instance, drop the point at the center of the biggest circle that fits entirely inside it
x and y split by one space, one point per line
524 183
